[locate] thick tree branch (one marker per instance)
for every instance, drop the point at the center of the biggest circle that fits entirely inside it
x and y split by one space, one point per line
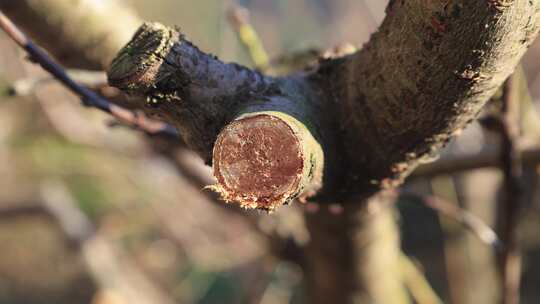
271 150
396 102
422 77
169 71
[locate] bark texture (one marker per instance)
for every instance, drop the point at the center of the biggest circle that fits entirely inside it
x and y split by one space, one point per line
421 78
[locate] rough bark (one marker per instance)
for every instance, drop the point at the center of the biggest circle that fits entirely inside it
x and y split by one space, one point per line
422 77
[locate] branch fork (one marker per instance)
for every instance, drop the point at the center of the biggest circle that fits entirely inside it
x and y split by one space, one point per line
386 108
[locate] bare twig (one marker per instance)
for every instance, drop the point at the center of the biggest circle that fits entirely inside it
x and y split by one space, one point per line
88 97
488 159
512 196
462 216
239 18
27 86
416 282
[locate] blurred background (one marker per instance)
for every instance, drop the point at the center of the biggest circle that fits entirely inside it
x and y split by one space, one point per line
131 225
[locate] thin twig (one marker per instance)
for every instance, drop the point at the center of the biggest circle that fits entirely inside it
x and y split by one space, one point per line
88 97
488 159
462 216
239 18
27 86
417 283
512 196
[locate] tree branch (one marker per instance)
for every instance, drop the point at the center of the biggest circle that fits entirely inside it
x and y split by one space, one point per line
205 97
425 74
394 103
422 77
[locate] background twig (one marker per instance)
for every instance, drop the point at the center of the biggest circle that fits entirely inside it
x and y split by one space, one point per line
88 97
512 196
239 19
471 222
